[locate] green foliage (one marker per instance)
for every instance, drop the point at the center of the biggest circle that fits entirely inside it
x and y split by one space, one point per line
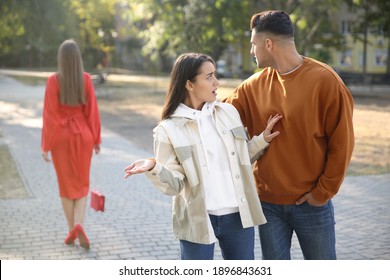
374 17
209 26
10 25
31 31
313 24
179 26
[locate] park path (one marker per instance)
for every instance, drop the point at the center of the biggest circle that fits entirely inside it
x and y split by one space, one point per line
136 224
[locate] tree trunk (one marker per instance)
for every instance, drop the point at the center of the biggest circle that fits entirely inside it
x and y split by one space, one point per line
365 80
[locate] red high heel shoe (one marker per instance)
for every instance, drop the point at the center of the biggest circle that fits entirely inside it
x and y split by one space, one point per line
69 240
84 242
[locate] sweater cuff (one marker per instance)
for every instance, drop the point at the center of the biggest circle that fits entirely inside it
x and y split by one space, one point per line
320 196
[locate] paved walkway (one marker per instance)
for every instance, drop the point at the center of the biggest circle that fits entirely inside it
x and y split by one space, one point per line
136 223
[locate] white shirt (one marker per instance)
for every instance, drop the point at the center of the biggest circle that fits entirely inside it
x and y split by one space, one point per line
218 182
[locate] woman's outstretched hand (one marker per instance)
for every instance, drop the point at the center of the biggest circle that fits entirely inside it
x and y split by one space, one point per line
268 134
139 166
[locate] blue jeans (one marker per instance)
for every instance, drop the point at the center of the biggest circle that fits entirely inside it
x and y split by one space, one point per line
236 242
314 227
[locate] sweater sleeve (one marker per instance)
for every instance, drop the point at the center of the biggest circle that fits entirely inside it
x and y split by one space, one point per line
237 99
340 133
92 111
244 100
50 116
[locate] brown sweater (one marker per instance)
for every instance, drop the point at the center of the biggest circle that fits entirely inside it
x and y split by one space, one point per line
316 139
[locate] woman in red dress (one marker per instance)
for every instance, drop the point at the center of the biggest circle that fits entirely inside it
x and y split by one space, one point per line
71 131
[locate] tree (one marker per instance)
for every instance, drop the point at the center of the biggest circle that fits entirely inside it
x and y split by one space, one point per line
31 31
36 24
11 25
177 26
380 19
95 22
375 18
315 32
209 26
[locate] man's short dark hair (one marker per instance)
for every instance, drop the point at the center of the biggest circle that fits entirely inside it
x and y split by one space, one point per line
275 21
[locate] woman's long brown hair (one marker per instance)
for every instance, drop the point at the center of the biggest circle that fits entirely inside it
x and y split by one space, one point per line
71 74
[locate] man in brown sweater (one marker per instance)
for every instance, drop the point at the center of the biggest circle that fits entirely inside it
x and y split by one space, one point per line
305 166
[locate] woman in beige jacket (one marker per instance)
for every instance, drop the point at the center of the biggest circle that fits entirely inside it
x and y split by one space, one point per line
202 160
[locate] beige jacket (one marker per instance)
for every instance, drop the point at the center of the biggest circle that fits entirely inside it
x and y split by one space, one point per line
180 163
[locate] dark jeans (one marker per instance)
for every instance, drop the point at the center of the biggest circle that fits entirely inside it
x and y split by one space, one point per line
236 242
314 227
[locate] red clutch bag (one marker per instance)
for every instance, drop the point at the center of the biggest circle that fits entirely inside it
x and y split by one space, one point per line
97 201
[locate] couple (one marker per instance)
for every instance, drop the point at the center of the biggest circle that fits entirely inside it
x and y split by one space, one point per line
203 158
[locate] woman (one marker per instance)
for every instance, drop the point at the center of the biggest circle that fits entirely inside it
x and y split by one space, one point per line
71 131
202 160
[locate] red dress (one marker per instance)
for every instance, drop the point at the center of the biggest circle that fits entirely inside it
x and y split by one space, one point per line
70 133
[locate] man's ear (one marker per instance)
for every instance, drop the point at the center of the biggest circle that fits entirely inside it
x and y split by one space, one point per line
268 43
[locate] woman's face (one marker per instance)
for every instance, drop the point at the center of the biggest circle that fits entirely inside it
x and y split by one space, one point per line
204 88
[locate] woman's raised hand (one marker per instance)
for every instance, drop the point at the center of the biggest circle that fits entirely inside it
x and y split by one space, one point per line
268 134
139 166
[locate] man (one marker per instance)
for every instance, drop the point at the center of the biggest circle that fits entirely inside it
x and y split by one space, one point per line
305 166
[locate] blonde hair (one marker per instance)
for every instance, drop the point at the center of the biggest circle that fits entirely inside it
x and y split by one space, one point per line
71 74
